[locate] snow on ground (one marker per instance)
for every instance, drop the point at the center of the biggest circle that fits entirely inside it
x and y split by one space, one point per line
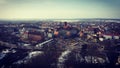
31 55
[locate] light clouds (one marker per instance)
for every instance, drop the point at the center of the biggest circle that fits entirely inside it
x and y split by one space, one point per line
36 9
3 2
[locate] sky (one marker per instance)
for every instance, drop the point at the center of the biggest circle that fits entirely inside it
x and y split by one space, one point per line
59 9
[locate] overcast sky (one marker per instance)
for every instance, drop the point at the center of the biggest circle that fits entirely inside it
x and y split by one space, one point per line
59 9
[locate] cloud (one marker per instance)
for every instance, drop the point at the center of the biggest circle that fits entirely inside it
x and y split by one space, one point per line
6 1
24 1
3 1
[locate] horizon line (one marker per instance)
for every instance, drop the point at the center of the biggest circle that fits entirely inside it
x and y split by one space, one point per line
57 18
54 18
